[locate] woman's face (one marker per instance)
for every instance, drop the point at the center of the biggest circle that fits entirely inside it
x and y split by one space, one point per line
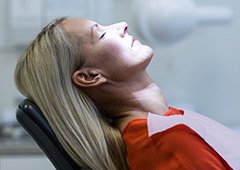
110 48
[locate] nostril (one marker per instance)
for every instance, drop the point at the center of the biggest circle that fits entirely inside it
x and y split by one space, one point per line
125 29
122 28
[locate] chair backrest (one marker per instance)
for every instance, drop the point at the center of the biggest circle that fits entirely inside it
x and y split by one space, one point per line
31 118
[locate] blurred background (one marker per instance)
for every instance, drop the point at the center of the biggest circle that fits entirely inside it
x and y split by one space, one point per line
197 66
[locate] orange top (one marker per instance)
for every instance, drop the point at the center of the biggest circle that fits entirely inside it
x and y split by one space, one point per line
176 148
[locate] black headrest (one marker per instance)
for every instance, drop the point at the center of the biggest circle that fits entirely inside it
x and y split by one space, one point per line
34 122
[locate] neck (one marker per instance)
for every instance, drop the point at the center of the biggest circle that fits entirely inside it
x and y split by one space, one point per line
131 99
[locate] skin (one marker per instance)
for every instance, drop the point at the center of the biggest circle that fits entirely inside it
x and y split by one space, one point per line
114 75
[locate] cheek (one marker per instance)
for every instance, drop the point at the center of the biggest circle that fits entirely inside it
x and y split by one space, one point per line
114 52
115 60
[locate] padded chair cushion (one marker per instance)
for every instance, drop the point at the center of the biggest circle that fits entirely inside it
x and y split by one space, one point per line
34 122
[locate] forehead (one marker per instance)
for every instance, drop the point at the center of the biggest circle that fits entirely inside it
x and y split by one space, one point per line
79 26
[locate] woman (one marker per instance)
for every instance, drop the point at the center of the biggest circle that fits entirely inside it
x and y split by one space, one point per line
91 83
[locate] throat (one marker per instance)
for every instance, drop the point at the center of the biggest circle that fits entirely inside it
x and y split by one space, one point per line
122 122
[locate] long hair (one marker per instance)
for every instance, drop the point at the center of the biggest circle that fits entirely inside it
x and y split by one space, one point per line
43 74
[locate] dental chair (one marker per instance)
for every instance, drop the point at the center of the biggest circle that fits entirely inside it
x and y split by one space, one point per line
33 121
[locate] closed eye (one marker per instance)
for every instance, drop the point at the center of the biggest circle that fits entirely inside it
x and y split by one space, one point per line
102 35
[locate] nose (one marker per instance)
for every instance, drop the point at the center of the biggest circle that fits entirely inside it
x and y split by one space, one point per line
122 28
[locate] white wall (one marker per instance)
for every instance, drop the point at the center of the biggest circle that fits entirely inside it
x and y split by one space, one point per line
8 93
200 72
203 70
8 58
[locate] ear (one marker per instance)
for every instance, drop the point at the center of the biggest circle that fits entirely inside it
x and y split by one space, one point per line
88 77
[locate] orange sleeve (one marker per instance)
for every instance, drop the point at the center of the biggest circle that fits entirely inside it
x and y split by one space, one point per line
176 148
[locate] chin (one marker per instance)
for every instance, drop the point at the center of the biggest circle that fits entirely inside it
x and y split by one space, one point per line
145 56
147 51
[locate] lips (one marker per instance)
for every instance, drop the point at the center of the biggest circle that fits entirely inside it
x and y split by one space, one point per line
133 39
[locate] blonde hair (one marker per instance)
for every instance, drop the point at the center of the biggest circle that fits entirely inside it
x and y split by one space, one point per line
43 74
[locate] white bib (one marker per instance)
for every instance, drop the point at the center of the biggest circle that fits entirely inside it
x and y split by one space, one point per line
223 140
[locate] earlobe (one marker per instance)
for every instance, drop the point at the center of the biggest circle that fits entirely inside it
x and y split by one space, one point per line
88 78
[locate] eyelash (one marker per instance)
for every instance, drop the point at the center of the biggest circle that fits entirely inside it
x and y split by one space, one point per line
102 35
